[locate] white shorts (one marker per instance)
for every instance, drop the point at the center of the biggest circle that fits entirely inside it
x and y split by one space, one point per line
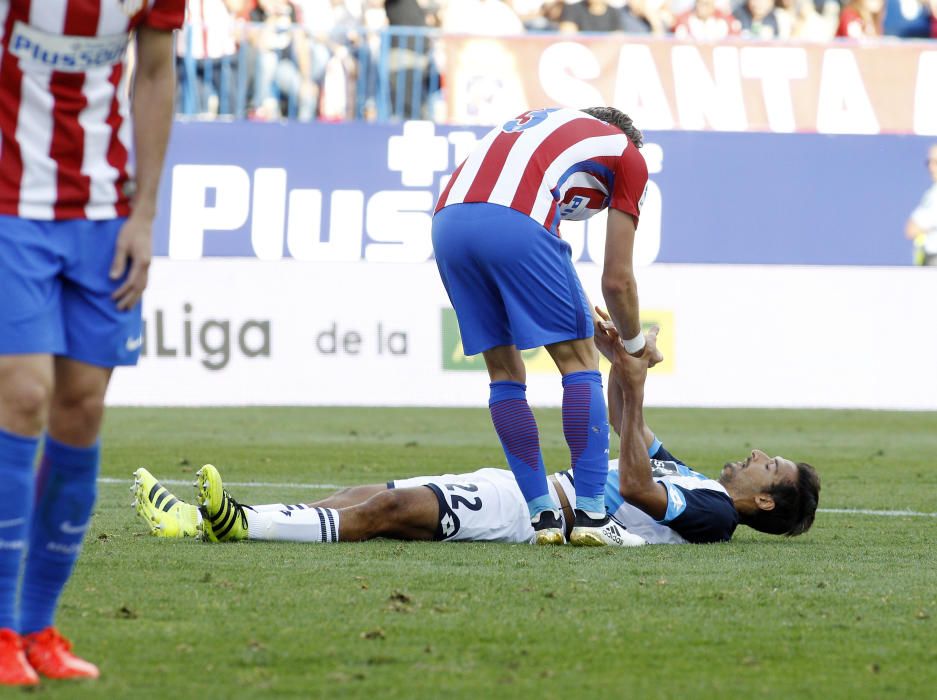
481 506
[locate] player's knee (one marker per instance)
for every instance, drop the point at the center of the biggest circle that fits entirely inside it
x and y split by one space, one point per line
75 416
385 507
24 401
85 406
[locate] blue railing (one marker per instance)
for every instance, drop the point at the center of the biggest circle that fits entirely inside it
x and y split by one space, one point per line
386 76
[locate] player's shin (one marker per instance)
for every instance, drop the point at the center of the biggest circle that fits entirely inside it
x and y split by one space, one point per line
585 425
17 454
292 524
65 496
517 429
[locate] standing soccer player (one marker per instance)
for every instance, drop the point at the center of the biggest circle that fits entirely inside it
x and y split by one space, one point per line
510 278
75 246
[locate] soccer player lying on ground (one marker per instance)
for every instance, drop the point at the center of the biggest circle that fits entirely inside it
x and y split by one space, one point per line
650 500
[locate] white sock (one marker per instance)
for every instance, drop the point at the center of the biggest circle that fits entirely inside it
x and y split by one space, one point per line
297 525
279 506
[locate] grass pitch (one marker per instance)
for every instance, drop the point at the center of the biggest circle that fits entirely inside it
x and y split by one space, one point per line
847 611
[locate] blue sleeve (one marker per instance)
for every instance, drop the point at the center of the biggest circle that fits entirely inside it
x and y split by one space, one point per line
699 515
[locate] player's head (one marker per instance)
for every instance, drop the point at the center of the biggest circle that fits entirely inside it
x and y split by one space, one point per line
616 117
932 161
773 494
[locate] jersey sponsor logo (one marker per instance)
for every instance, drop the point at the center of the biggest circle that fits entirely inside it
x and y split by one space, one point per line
12 522
661 468
69 54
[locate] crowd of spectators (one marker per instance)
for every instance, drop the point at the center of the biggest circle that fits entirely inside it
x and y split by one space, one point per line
309 58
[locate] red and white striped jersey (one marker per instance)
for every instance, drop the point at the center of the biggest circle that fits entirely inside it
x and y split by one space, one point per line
64 110
552 164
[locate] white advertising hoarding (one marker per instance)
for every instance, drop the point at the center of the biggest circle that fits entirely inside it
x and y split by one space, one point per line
249 332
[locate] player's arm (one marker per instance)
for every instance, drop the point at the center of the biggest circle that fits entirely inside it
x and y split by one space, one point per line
616 403
636 484
619 287
154 87
606 338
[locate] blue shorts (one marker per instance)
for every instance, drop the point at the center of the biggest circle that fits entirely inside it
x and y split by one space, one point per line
510 281
55 293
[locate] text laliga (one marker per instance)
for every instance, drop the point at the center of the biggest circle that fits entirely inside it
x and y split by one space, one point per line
167 338
220 198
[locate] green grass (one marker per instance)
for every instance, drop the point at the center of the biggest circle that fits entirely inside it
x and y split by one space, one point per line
847 611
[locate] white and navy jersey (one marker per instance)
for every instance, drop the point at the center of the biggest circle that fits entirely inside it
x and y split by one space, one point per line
552 164
699 510
487 506
64 112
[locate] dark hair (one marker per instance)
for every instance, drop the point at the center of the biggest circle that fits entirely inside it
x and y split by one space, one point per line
794 505
616 117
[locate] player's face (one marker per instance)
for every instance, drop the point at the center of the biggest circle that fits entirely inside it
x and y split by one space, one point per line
758 473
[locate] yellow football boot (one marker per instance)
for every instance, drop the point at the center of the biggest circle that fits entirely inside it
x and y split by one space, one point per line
164 514
223 518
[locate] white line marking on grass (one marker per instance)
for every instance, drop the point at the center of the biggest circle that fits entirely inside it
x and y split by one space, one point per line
886 513
292 485
238 484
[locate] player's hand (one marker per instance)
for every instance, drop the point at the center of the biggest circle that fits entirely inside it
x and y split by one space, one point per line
134 249
630 370
606 335
651 352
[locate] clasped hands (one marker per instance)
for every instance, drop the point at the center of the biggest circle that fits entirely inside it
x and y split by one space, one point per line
608 342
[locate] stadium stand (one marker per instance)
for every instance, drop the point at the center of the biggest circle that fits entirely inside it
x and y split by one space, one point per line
380 60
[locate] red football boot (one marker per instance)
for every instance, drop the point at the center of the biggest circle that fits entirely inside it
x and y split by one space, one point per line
49 653
14 668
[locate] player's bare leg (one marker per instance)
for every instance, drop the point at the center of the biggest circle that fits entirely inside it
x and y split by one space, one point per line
411 514
505 364
577 355
403 514
350 496
64 501
585 425
25 392
77 408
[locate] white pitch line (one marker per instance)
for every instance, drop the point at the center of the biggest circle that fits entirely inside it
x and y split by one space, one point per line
886 513
290 485
238 484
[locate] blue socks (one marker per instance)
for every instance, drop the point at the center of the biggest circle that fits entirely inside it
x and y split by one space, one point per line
65 497
517 429
17 454
585 425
